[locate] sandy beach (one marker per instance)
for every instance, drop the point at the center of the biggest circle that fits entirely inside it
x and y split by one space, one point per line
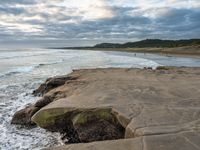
186 51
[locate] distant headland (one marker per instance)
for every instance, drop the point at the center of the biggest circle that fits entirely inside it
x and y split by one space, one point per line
179 47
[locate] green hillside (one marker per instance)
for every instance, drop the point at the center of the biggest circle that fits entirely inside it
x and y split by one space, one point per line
151 43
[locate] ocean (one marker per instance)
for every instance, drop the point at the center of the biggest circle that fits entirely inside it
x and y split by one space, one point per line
22 70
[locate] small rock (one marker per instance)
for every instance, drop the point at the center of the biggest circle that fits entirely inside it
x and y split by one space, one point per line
23 116
43 102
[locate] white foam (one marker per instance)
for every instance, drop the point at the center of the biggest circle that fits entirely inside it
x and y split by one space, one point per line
14 138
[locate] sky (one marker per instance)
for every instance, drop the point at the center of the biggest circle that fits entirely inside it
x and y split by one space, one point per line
87 22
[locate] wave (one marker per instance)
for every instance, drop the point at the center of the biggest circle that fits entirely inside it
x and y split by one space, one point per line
27 54
22 56
51 63
27 69
18 70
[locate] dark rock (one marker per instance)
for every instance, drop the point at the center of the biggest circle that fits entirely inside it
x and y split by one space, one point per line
148 68
163 68
52 83
23 116
99 130
69 135
43 101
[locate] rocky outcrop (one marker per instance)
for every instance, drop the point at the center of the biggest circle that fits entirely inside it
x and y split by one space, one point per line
139 109
23 117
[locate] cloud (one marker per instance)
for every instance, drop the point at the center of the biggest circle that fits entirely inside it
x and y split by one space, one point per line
86 20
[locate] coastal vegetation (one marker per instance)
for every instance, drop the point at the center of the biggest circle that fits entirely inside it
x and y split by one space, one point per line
177 47
151 43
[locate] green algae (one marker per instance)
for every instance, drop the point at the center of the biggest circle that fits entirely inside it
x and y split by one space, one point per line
92 115
48 117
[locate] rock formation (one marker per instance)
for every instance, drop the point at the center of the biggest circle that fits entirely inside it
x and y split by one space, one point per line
132 109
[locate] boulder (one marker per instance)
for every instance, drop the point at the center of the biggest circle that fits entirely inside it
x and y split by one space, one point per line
43 101
23 116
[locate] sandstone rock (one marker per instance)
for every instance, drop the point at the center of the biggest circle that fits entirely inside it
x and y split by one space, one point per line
157 109
176 141
127 144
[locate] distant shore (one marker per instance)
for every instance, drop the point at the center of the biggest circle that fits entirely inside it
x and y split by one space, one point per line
190 51
186 48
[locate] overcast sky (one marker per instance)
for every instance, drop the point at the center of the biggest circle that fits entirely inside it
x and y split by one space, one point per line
86 22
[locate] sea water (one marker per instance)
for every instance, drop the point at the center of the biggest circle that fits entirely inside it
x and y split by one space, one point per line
22 70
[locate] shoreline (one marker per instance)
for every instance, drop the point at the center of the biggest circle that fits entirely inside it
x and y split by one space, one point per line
177 52
91 102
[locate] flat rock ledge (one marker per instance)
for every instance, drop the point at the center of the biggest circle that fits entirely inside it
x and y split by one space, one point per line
118 109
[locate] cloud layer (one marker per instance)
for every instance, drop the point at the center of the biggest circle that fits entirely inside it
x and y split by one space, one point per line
81 22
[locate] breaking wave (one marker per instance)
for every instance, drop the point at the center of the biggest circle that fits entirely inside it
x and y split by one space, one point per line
27 69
